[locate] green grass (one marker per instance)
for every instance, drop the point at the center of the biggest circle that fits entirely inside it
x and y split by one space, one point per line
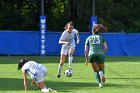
122 75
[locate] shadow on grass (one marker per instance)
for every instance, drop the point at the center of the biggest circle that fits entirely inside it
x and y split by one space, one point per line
73 86
13 84
124 78
131 82
17 84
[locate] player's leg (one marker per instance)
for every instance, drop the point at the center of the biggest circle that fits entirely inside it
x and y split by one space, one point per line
101 72
101 67
39 80
96 72
41 85
70 59
64 52
92 59
62 60
34 83
44 89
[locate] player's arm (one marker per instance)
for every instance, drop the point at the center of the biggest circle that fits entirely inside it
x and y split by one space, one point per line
105 47
63 42
78 37
62 38
25 81
86 54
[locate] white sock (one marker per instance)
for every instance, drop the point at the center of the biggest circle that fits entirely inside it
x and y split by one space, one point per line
70 62
101 73
100 85
59 69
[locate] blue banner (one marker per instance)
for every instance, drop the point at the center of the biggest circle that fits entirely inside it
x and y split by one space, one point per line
42 35
29 43
93 21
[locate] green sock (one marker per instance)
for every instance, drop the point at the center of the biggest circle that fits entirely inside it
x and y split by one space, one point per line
97 77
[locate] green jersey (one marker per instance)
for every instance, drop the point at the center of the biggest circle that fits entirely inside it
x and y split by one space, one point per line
95 42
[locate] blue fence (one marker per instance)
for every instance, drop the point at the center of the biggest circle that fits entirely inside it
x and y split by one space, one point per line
19 43
27 43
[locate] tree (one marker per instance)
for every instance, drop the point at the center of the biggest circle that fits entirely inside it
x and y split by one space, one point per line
117 15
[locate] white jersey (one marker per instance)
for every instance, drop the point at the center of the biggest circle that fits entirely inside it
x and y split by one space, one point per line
32 68
69 37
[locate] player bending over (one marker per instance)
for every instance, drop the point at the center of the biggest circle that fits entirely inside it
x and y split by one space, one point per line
35 71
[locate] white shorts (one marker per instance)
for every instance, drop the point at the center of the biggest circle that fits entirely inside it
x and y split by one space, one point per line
41 74
65 49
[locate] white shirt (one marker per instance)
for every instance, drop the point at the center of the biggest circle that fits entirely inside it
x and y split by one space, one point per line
31 68
69 37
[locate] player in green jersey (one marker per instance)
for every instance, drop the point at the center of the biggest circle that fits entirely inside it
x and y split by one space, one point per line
95 48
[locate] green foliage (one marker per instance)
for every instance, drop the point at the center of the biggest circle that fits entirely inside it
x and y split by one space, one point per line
18 15
117 15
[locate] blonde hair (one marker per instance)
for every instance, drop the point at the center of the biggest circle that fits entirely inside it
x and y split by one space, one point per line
69 23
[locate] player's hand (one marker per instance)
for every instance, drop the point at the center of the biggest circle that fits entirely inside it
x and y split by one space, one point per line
33 83
86 63
67 43
78 41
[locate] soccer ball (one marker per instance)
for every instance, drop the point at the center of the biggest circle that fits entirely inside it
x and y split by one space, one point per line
68 73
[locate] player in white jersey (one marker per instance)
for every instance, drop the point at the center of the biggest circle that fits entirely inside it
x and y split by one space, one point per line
35 71
68 45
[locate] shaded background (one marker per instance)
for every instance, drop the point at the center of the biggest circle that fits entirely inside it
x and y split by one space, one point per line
117 15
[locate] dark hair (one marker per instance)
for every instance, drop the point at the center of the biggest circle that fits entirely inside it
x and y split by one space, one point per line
21 62
102 28
71 24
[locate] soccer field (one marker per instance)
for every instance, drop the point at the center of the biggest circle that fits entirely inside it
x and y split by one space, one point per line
122 75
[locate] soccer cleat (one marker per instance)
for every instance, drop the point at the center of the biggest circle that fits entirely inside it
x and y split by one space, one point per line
58 76
102 76
51 90
100 85
44 90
